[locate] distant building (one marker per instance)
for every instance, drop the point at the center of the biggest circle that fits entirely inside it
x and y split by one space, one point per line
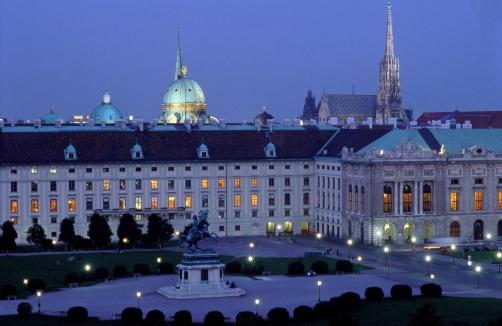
477 119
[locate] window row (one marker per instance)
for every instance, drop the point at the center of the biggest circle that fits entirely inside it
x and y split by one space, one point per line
328 182
358 199
407 199
323 200
478 200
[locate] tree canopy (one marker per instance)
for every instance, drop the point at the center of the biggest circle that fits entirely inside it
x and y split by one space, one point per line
99 231
67 232
36 235
129 228
9 235
159 229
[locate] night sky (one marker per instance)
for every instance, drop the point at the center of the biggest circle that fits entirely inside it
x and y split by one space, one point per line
244 54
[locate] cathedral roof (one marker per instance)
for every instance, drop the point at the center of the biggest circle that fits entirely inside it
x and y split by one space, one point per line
106 111
350 104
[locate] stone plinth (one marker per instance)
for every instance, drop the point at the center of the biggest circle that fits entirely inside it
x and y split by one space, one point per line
200 276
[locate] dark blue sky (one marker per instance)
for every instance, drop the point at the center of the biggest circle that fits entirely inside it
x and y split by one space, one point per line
244 54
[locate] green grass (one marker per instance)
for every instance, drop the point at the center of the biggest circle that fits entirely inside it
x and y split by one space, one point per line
477 256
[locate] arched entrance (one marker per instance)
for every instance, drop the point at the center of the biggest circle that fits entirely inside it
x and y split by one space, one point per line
478 230
349 228
388 233
172 119
361 232
409 230
271 227
288 227
428 231
305 227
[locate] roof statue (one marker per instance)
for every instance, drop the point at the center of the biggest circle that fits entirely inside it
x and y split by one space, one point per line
197 231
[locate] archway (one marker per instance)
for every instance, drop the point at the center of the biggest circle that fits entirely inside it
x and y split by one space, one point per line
478 230
172 119
454 229
288 227
271 227
305 227
349 228
388 233
409 230
428 231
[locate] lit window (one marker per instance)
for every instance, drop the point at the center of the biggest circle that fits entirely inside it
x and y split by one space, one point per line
188 201
122 184
34 186
478 201
122 203
154 184
237 200
71 204
138 217
407 199
170 202
499 200
52 170
387 199
237 182
154 202
427 198
271 199
204 183
34 205
138 203
34 170
88 185
254 199
53 205
221 183
14 220
204 201
106 184
13 206
254 182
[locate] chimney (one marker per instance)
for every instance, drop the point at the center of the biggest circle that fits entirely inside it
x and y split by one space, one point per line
1 123
164 121
38 123
325 152
222 124
287 122
187 124
140 124
200 122
154 122
296 122
244 122
58 123
91 122
270 124
257 124
370 122
103 124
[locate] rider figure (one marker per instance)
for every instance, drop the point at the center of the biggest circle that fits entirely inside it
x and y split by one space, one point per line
195 228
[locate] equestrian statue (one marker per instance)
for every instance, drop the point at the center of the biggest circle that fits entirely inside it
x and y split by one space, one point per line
196 231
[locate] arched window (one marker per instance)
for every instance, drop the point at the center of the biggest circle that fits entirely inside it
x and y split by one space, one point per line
387 199
350 197
349 228
323 200
427 198
499 228
454 229
356 208
362 199
478 230
407 199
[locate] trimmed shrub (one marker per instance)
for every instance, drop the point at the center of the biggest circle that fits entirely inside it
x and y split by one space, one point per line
72 277
426 315
320 267
401 291
324 309
77 314
342 319
278 316
431 290
7 289
252 320
153 316
182 318
165 268
344 265
36 284
24 308
374 293
233 267
303 313
296 268
351 300
244 314
131 316
101 272
119 270
141 268
253 267
214 318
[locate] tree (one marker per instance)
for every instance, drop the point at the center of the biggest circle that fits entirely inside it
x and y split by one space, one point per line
9 236
129 228
36 235
159 229
67 232
99 231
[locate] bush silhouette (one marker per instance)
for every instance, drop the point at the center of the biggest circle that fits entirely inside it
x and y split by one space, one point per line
243 315
183 318
131 316
7 289
324 309
296 268
233 267
36 284
72 277
143 269
77 314
431 290
101 272
344 265
165 268
401 291
24 308
119 270
153 316
320 267
303 313
278 316
374 293
214 318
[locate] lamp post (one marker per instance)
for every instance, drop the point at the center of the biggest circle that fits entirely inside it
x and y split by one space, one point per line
428 260
178 234
349 242
432 278
39 294
25 281
251 246
379 233
279 228
87 268
469 263
319 285
125 241
319 242
359 258
386 250
257 302
54 244
138 294
453 247
478 270
159 260
499 255
250 258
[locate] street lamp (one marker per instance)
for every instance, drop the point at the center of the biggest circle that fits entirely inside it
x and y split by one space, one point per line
499 255
138 294
319 242
428 260
386 250
178 234
478 270
319 285
125 241
251 245
279 228
159 260
349 242
469 262
250 258
25 281
359 258
379 233
87 268
453 247
432 278
39 294
257 302
54 244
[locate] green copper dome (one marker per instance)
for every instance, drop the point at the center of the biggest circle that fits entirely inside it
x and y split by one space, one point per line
51 117
184 91
106 111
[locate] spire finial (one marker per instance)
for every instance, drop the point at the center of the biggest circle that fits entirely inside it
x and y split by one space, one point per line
389 40
177 73
52 107
264 108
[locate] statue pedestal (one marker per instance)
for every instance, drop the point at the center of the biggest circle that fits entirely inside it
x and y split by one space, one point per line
200 276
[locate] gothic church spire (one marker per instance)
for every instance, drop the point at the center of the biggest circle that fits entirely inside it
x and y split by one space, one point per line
177 73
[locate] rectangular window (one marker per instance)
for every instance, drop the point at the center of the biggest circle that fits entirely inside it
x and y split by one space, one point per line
188 216
237 200
221 200
71 204
34 170
254 182
287 212
88 185
122 184
306 198
121 169
106 203
106 185
454 201
137 184
170 168
54 220
138 217
13 186
254 213
306 166
204 201
254 199
170 184
306 181
34 186
138 202
14 220
171 216
271 199
305 212
271 213
71 170
237 214
237 182
478 181
122 203
500 180
188 184
237 167
138 169
271 182
170 202
88 204
13 171
13 206
204 168
53 205
221 183
271 167
478 200
287 182
287 167
221 168
237 228
154 203
499 199
454 181
221 214
88 170
53 186
154 184
254 167
153 169
188 201
204 183
221 228
34 221
106 170
188 168
71 185
287 199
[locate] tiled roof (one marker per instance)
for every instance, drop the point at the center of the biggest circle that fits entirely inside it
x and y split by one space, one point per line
351 138
350 104
478 119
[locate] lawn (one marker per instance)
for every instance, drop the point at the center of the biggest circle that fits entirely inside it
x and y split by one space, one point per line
477 256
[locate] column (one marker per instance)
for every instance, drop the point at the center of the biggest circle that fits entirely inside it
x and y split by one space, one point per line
401 186
396 196
415 197
421 197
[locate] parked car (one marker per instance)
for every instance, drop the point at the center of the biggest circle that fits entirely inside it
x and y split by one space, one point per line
478 248
468 248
